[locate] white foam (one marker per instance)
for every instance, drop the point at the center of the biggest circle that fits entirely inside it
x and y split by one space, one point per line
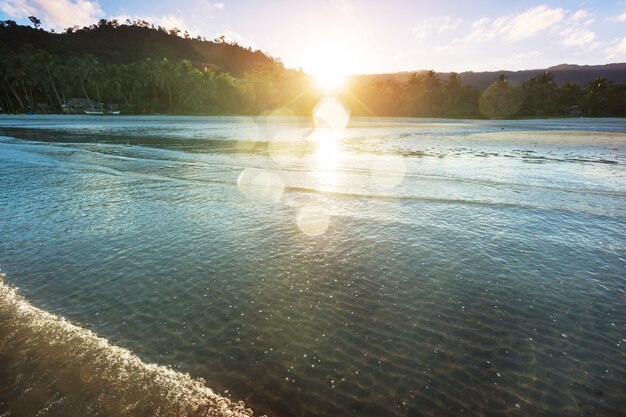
86 375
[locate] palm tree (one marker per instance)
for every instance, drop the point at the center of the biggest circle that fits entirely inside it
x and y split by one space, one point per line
113 83
189 85
597 96
51 69
570 94
209 88
499 100
167 74
432 92
75 65
92 72
17 77
150 70
452 90
5 81
41 66
539 95
133 81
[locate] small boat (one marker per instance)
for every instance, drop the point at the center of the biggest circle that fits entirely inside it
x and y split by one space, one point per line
102 112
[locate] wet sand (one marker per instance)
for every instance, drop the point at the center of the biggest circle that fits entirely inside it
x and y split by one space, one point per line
81 374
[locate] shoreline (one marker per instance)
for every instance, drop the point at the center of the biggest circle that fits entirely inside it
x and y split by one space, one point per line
308 116
43 352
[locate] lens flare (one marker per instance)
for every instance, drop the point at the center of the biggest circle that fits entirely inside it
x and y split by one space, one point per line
258 184
330 113
313 220
285 147
329 81
329 60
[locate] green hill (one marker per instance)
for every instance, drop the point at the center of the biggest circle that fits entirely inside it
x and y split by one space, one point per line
134 41
137 68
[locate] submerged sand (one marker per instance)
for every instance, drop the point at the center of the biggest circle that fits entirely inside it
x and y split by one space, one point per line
52 367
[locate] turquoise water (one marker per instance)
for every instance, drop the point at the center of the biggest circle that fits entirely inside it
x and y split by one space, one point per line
399 267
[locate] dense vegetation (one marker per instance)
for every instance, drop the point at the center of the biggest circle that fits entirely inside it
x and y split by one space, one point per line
141 69
427 95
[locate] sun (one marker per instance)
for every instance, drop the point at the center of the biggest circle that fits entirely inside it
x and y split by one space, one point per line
329 80
329 67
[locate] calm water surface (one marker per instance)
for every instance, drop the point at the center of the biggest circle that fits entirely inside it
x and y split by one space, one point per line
398 267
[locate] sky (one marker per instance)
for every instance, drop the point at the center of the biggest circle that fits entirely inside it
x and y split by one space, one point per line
374 36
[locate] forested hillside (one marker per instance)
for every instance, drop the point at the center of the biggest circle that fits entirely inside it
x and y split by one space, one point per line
128 42
141 69
137 68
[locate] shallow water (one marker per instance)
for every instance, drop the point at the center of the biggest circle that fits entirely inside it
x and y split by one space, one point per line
399 267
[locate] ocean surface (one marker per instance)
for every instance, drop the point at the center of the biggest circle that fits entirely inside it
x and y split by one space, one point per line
387 267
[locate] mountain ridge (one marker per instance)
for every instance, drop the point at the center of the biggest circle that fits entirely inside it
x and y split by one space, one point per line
563 73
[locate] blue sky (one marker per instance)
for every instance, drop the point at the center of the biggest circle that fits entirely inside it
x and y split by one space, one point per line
376 36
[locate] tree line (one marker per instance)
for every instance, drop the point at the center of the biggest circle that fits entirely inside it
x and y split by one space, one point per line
34 80
160 71
427 95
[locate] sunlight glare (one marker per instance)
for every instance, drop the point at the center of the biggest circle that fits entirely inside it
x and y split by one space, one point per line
331 113
261 185
330 65
286 147
388 171
312 220
329 80
330 118
327 147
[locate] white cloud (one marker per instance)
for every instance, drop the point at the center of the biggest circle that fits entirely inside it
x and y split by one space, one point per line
55 14
572 27
575 32
514 27
17 9
482 32
580 14
617 50
208 5
531 22
579 37
436 25
618 18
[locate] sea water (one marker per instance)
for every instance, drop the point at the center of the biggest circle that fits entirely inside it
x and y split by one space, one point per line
391 267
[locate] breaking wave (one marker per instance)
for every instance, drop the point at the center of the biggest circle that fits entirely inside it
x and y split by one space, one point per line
49 366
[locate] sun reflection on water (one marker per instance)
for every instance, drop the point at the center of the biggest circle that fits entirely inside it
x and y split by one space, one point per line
330 113
288 146
388 171
330 118
258 184
313 220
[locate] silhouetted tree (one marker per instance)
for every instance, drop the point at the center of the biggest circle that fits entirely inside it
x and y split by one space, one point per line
36 22
500 99
539 96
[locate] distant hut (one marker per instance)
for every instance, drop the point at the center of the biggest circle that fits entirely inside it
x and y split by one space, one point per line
79 105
